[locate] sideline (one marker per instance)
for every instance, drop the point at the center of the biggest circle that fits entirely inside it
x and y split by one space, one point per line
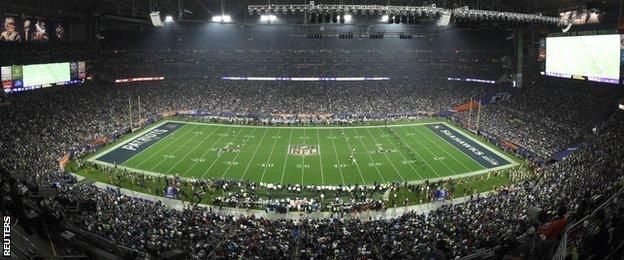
390 213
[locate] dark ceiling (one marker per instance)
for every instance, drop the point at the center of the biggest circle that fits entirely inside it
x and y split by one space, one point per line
201 10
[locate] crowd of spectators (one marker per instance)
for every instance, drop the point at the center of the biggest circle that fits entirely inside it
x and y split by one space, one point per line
545 118
42 125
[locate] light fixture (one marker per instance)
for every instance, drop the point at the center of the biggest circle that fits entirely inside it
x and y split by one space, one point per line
389 12
222 19
168 19
268 18
348 18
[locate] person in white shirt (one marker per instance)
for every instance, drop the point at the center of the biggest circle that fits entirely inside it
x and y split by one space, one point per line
10 35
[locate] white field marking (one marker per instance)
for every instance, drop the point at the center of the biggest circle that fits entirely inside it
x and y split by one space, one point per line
237 154
386 155
458 176
139 134
218 157
428 150
254 154
395 147
310 127
235 157
484 145
174 151
286 157
371 158
318 140
512 164
205 152
303 158
270 154
192 150
356 165
434 171
336 153
434 155
159 150
442 148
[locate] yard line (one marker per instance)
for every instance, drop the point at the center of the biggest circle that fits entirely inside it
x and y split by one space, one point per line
339 164
216 159
424 146
394 145
303 158
270 154
459 161
386 155
286 156
356 165
159 150
318 140
371 158
254 154
237 154
174 151
414 151
206 152
203 140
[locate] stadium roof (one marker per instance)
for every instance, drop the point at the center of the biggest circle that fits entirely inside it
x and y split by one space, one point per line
202 10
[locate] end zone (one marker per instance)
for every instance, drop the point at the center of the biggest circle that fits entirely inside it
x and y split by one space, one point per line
124 151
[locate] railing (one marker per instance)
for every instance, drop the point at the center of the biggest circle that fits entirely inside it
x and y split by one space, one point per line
610 206
103 243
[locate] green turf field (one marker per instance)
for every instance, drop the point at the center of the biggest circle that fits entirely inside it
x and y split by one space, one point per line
304 155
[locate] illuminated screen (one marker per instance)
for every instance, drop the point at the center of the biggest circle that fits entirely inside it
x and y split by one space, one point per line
595 57
45 74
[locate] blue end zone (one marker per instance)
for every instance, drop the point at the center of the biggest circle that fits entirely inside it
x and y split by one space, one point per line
136 145
476 151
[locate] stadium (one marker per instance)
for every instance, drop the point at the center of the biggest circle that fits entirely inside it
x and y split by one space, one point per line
213 129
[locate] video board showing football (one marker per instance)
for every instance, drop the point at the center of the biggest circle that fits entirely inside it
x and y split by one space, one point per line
593 57
17 78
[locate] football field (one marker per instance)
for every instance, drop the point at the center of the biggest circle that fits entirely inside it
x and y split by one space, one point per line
329 155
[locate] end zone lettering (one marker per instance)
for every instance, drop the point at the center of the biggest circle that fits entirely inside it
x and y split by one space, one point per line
470 148
6 236
144 139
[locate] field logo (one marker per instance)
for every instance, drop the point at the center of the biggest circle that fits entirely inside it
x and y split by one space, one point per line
149 137
381 149
303 150
229 148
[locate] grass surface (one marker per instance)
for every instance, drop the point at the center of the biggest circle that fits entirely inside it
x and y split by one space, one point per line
407 152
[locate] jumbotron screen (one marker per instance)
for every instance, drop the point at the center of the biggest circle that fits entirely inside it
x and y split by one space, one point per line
26 77
594 58
45 74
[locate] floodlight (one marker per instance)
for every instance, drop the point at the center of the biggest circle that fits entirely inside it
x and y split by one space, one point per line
222 19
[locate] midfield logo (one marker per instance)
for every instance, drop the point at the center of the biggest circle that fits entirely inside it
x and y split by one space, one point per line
380 149
228 148
303 150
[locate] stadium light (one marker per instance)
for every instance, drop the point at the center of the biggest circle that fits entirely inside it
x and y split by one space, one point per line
222 19
348 18
168 19
268 18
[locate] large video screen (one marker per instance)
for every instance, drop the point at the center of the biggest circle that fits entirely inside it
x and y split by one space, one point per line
17 78
45 74
594 58
30 29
